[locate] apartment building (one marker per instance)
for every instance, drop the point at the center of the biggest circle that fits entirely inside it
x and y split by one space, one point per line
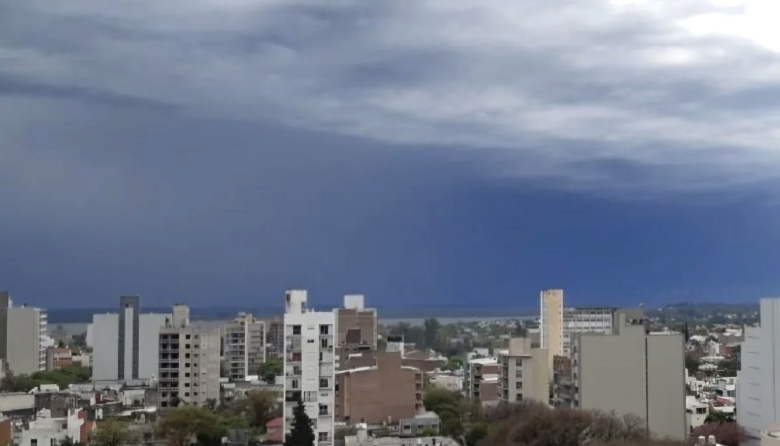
758 380
275 339
57 358
310 365
586 320
480 381
357 325
629 371
189 362
551 323
244 346
385 391
126 343
524 374
23 333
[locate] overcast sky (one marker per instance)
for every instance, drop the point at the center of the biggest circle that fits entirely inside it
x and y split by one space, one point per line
421 152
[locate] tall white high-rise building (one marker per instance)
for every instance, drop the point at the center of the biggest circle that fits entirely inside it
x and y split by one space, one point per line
758 380
310 365
244 346
126 344
189 361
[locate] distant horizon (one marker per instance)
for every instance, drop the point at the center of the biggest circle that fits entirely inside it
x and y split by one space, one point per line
83 315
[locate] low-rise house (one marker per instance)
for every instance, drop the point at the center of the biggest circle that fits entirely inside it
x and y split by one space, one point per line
57 358
695 412
17 406
45 430
274 430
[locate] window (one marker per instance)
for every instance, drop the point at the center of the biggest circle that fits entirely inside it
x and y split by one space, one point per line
186 364
519 397
518 373
518 385
323 409
294 384
322 437
187 374
187 337
296 329
186 355
519 362
323 383
187 346
324 329
324 343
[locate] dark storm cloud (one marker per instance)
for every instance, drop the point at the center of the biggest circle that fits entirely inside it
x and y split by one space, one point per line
618 76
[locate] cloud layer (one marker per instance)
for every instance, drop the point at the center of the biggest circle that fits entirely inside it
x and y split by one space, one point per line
687 87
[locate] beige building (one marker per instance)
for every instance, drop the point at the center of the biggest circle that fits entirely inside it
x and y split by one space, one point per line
480 383
189 362
244 346
25 331
524 373
357 325
551 323
629 371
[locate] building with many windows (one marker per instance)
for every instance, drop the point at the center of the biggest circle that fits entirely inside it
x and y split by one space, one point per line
357 325
758 380
647 369
24 335
126 344
551 323
244 346
586 320
523 374
189 362
310 365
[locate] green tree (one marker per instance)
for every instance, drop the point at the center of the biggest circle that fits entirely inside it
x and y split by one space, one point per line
178 426
438 399
454 364
431 328
476 433
258 408
271 369
717 416
112 433
17 383
64 376
301 430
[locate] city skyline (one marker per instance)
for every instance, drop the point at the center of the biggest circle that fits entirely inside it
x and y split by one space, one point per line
421 154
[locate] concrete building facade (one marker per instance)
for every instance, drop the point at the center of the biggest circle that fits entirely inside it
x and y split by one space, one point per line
310 364
275 339
126 343
480 382
357 325
189 362
386 391
630 372
551 323
586 320
524 373
57 358
244 345
25 335
758 380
